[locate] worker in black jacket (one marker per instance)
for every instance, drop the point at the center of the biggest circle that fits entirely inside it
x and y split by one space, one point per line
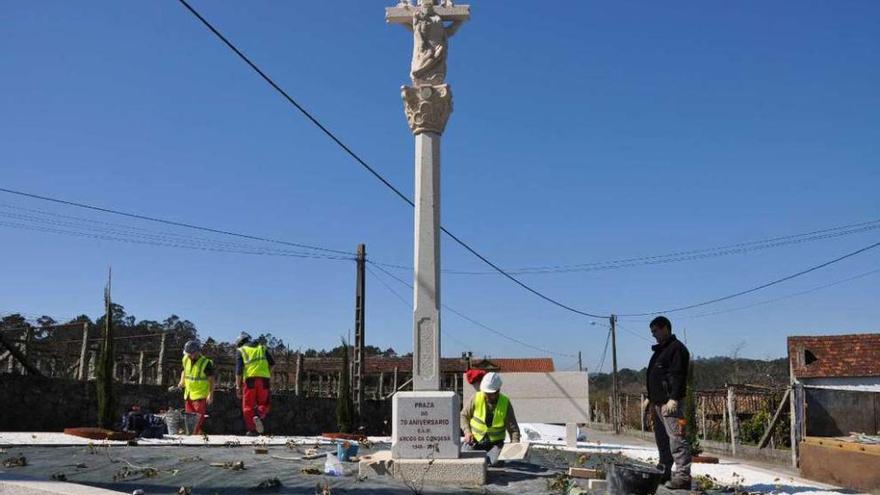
667 381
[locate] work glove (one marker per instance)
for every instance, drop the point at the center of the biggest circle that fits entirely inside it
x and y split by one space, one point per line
670 408
174 388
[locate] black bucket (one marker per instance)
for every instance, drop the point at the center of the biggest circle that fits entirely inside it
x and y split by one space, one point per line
632 479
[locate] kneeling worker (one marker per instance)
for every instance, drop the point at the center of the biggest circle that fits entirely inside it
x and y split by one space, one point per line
197 382
487 417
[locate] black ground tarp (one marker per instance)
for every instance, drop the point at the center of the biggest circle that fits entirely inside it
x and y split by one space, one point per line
190 467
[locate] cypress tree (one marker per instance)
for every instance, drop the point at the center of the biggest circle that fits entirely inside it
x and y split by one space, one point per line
104 370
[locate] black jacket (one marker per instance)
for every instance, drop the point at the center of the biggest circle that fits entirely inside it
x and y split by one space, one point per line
667 371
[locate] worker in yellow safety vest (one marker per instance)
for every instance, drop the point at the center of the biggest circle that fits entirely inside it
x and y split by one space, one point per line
253 364
196 381
487 418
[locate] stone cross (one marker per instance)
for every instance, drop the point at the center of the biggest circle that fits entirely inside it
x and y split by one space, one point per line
427 105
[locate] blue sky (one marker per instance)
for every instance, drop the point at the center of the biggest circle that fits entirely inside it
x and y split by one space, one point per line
582 132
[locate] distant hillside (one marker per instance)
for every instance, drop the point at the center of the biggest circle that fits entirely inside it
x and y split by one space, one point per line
709 373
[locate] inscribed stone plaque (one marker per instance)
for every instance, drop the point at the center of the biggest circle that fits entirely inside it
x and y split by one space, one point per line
425 425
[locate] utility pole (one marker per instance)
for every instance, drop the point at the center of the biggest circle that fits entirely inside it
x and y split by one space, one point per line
580 363
615 410
359 307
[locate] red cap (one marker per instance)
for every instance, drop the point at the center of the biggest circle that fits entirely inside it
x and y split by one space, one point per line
474 376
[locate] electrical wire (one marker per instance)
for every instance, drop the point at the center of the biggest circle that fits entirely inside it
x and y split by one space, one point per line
477 323
37 215
371 170
171 222
788 296
675 257
605 351
406 303
24 226
762 286
632 332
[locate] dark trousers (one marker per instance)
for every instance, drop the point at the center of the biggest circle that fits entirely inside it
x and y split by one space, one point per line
671 443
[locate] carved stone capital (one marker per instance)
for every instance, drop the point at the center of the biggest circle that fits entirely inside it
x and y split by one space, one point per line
427 108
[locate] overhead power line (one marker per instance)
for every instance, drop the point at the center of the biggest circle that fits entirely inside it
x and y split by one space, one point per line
23 226
762 286
604 351
477 323
390 289
680 256
170 222
82 227
59 219
633 333
787 296
370 169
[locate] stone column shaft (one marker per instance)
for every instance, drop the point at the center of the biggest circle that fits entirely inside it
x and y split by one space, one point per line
426 283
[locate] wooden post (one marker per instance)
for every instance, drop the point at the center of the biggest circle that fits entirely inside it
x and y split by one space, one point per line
381 384
731 413
393 390
455 382
15 353
797 410
724 429
611 410
160 372
625 408
28 337
768 434
298 374
141 369
703 416
92 357
83 374
644 413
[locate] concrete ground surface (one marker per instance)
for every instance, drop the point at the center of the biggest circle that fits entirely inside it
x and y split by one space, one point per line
185 461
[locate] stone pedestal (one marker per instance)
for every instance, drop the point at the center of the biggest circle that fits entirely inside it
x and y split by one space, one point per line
425 425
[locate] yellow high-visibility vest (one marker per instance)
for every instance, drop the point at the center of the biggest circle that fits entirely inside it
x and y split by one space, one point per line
195 381
497 429
255 363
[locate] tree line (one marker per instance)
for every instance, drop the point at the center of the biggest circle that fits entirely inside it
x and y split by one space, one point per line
126 327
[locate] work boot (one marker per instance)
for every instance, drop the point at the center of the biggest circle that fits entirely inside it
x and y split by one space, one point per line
258 423
667 473
252 433
679 483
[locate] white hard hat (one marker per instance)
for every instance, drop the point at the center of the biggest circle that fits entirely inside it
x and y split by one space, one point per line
491 382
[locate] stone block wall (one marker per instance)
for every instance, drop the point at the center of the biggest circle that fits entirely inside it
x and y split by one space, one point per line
48 404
